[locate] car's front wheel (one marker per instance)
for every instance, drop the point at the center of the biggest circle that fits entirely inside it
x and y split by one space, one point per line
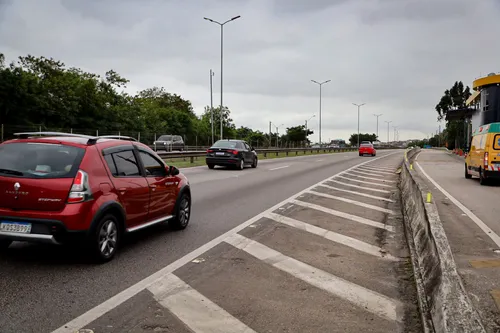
106 238
254 163
182 213
241 164
211 166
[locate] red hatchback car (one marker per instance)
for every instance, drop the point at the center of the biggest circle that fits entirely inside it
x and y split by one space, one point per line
59 188
367 149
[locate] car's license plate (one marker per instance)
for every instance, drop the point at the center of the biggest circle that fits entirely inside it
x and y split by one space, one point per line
19 227
219 153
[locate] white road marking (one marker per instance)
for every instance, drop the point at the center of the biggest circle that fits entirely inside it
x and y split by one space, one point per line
196 311
487 230
354 202
352 173
333 236
365 182
343 215
367 299
281 167
319 160
356 193
370 173
383 168
361 187
376 171
115 301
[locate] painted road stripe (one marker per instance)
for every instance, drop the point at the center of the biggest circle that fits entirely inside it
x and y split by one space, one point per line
354 202
485 263
356 193
353 174
319 160
115 301
376 171
383 168
365 182
366 299
346 216
281 167
332 236
195 310
357 186
494 237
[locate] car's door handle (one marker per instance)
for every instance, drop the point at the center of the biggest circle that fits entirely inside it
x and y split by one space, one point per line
122 190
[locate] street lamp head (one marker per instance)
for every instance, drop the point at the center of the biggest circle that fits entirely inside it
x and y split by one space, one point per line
327 81
315 81
206 18
236 17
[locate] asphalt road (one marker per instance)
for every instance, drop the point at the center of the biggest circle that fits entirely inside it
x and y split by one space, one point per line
469 213
44 287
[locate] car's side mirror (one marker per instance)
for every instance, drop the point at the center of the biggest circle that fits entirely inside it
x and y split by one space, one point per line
173 171
252 149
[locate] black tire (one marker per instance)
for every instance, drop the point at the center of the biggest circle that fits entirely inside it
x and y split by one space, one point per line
182 213
4 244
241 164
254 163
211 166
107 231
482 179
360 154
467 175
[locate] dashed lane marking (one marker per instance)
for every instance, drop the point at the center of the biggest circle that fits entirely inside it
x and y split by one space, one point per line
197 312
346 216
360 187
332 236
355 192
367 299
278 168
354 202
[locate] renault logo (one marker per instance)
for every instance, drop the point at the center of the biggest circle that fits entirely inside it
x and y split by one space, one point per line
17 186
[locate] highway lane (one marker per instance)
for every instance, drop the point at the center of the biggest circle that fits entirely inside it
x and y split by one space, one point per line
43 287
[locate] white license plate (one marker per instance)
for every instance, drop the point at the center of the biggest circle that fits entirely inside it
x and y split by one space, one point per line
219 153
19 227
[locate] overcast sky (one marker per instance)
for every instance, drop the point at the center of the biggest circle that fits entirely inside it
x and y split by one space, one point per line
397 56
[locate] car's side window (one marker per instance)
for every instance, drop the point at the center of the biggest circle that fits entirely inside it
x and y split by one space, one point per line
247 147
153 167
240 145
123 164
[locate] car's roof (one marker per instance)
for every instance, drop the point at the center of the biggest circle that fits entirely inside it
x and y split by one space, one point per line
78 141
231 140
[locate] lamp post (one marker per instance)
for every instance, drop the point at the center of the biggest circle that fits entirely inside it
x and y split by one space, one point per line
359 107
388 122
377 115
212 105
221 62
395 132
320 85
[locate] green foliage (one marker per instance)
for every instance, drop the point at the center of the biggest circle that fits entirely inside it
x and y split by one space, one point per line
297 134
362 137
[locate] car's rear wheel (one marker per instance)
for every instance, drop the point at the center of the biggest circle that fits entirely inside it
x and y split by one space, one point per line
467 175
4 244
241 164
254 163
182 213
106 238
482 179
211 166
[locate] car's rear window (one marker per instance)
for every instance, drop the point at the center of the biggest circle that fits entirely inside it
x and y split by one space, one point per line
496 142
165 138
225 144
366 145
39 160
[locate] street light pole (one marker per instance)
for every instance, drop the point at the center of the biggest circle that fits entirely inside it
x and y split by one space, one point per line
395 131
212 105
377 115
388 122
359 107
306 124
320 85
221 63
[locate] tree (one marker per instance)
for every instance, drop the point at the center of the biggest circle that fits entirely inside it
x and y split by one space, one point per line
297 134
362 137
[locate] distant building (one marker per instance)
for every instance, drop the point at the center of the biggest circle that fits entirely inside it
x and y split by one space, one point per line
338 143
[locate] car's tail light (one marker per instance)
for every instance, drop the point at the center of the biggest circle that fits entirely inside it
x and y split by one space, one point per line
210 151
80 190
486 158
234 152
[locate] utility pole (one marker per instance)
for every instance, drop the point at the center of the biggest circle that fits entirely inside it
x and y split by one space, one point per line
388 122
270 135
359 107
320 85
377 115
212 105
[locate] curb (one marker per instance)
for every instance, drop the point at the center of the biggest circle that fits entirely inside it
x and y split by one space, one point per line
443 302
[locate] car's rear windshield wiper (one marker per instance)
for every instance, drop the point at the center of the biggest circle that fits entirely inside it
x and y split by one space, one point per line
12 172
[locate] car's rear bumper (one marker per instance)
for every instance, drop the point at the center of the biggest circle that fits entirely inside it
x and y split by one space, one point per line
222 160
492 174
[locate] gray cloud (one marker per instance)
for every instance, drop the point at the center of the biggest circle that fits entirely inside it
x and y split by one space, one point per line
398 56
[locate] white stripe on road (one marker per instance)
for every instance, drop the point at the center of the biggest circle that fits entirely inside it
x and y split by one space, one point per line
319 160
343 215
383 168
356 193
487 230
332 236
196 311
354 202
364 177
367 173
115 301
374 170
367 299
365 182
357 186
281 167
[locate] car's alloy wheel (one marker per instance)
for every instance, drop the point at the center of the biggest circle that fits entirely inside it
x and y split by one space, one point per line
108 238
211 166
182 213
242 164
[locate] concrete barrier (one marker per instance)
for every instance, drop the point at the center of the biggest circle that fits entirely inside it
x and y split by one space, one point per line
443 301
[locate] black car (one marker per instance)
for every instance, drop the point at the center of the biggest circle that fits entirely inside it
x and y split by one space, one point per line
234 153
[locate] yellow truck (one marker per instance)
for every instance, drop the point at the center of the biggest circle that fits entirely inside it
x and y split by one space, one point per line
483 158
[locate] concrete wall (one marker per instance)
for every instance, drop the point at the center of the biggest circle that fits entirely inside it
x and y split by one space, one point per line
443 301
